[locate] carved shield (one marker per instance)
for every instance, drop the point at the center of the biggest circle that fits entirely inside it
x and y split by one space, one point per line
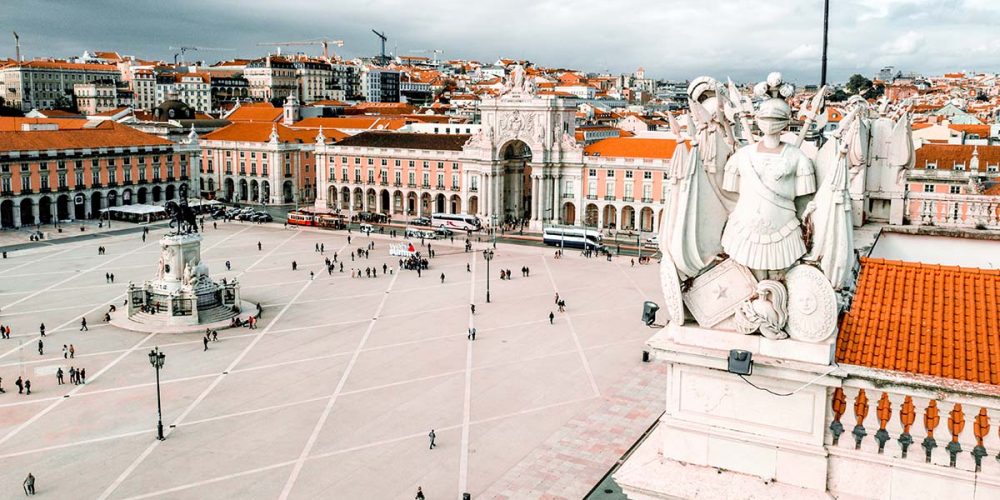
812 304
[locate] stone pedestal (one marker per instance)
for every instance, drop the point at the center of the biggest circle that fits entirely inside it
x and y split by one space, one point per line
181 296
718 420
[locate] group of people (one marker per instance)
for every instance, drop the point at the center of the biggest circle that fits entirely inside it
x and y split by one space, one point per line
109 277
76 376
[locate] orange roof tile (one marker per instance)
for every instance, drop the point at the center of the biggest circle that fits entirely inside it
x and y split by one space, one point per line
69 66
353 122
256 114
106 134
941 321
261 132
14 123
983 131
946 155
631 147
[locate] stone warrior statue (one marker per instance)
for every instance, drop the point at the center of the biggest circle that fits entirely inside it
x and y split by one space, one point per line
764 232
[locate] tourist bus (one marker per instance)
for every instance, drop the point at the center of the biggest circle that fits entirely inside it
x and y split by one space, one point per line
301 219
456 222
572 237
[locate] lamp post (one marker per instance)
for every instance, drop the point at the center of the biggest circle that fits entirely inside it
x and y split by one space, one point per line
488 255
156 359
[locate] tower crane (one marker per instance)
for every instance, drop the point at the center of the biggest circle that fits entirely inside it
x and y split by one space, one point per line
383 38
324 42
182 50
435 53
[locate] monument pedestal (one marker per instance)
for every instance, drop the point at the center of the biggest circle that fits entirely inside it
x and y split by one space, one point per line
182 296
762 428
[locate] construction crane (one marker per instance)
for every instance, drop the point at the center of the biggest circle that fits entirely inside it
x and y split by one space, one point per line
325 42
382 37
185 49
430 51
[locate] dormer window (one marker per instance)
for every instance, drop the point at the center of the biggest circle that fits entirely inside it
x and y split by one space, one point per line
959 166
930 165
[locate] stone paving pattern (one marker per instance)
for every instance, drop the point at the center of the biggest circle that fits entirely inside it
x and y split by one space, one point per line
334 394
588 445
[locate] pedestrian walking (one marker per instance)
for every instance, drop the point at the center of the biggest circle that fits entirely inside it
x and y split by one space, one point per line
72 351
228 266
65 352
29 485
473 308
317 248
552 317
143 237
472 333
215 335
312 275
633 262
59 376
41 345
215 225
20 385
432 436
41 329
260 310
295 266
258 246
27 387
112 278
468 268
72 375
205 341
442 277
322 248
107 278
420 494
83 325
82 375
557 298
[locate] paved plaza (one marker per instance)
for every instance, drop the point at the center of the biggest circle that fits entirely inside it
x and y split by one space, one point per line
335 392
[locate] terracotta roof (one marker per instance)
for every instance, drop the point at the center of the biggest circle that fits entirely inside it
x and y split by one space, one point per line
630 147
111 56
68 66
942 321
946 155
330 102
256 114
106 134
12 123
353 122
261 132
983 131
401 140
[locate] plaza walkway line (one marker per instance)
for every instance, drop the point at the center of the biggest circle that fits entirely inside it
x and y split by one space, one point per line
463 459
575 458
307 449
572 331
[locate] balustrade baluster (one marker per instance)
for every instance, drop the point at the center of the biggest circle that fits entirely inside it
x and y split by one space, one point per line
907 414
956 423
839 406
884 412
860 412
981 428
931 421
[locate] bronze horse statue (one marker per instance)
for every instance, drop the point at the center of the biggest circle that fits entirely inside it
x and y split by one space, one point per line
182 216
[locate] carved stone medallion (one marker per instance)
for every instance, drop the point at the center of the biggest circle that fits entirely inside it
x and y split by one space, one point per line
812 304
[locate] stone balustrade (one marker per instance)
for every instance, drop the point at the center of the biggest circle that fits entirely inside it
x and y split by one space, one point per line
949 210
908 427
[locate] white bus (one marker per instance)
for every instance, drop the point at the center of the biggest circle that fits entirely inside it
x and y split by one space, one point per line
572 237
456 222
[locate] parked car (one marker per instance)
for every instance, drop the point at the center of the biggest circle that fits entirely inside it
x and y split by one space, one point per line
367 228
444 232
421 221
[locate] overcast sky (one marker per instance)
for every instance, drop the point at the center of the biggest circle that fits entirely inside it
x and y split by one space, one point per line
675 39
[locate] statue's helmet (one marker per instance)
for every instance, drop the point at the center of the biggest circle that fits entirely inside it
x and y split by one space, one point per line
702 88
775 108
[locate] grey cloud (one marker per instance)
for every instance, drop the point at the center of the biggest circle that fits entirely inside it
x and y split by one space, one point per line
743 39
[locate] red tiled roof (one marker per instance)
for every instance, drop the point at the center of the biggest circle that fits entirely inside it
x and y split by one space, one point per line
261 132
256 114
630 147
68 66
983 131
946 155
106 134
941 321
353 122
14 123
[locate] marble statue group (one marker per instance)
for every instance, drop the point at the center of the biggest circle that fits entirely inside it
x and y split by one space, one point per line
758 223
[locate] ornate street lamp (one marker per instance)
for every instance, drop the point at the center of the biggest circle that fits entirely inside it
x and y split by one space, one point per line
488 255
156 359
